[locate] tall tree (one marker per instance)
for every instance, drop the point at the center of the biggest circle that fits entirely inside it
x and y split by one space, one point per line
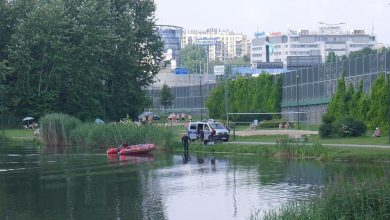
378 107
194 58
331 57
166 96
338 107
85 58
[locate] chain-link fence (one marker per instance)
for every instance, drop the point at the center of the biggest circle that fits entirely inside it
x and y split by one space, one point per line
310 89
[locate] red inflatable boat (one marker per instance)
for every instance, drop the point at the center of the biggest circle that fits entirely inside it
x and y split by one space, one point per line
132 150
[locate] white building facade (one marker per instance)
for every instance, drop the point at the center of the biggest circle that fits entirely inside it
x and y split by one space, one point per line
306 43
222 45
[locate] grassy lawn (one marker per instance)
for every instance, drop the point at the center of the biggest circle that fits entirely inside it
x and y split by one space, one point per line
368 140
297 151
259 138
20 134
384 140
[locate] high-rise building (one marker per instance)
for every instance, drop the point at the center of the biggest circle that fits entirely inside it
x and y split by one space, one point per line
171 36
221 45
308 46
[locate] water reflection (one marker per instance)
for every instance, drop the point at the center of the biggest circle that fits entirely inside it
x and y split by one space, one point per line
47 184
186 157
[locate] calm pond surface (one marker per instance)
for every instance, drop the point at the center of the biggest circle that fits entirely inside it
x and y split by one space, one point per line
77 184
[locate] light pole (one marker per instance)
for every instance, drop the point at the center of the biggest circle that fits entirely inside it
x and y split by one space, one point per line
234 121
297 91
201 99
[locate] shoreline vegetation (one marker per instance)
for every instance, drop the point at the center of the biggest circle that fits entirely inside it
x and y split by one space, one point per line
366 198
101 136
344 199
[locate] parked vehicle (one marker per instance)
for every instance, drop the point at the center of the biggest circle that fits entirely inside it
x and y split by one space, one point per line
212 131
148 114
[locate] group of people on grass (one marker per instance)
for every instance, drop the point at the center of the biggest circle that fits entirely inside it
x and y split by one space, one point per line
173 117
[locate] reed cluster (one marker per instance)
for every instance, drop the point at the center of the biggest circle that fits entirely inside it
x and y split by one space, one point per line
104 135
357 199
56 129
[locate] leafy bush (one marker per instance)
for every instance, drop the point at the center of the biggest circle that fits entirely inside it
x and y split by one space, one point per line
349 127
326 130
56 128
345 127
274 123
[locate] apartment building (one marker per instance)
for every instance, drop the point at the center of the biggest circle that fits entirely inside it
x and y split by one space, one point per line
281 47
221 45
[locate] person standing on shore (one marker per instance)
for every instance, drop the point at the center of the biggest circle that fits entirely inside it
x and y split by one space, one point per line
185 140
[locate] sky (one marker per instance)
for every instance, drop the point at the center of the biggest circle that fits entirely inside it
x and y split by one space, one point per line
248 16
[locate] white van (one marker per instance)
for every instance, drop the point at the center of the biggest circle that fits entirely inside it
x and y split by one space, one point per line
220 132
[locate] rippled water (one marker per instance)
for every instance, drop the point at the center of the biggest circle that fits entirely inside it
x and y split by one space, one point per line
53 184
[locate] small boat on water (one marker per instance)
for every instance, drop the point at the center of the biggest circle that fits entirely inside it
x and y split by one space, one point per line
132 149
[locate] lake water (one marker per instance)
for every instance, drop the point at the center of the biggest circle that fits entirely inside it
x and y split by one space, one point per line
80 184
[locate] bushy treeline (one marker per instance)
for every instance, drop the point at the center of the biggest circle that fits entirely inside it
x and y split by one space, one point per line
86 58
351 112
255 94
64 130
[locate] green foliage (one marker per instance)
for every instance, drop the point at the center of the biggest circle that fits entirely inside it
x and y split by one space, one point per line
378 107
86 58
367 199
331 57
56 129
255 94
349 127
326 130
344 127
338 106
274 123
194 58
216 102
105 135
357 106
166 96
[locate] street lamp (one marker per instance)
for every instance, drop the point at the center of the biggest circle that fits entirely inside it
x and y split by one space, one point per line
234 121
297 78
201 99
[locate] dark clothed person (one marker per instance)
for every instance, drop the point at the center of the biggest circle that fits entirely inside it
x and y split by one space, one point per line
185 140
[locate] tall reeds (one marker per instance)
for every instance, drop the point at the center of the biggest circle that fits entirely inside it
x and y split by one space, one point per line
56 128
368 199
94 135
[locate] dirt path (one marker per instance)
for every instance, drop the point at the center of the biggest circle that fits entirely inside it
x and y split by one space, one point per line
289 132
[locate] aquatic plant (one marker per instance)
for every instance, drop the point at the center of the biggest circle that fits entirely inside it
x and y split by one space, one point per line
356 199
56 128
114 134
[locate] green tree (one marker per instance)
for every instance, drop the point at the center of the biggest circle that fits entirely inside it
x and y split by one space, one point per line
356 111
338 106
255 94
166 96
378 107
85 58
194 58
331 57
